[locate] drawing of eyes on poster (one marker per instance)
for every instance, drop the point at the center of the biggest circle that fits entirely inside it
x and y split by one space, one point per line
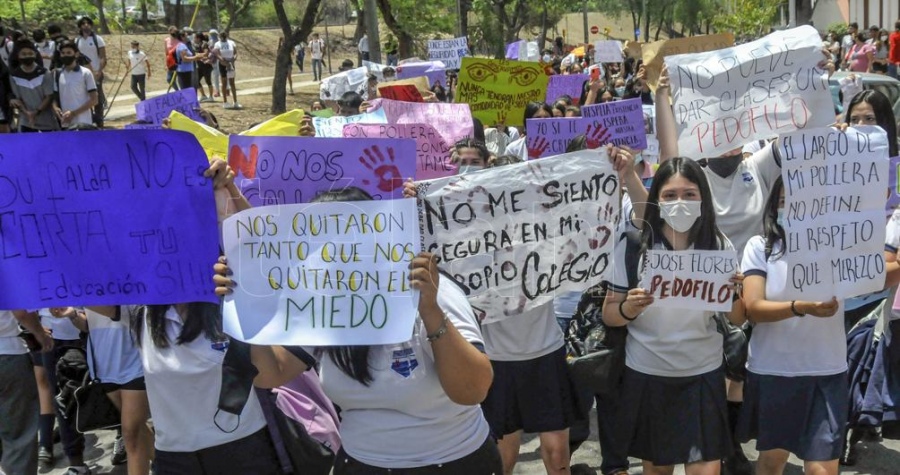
497 90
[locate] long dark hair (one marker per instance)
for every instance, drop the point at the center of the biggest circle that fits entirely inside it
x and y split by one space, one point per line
884 115
532 108
352 360
201 317
771 230
704 234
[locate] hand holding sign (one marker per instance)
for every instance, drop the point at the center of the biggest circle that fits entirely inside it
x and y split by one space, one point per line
424 276
635 303
817 309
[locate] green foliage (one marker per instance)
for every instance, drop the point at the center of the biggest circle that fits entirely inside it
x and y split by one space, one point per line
750 18
425 20
839 29
41 12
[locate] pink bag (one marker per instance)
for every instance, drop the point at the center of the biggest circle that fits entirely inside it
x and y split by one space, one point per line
304 401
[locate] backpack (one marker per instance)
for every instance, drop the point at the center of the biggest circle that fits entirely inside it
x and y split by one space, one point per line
172 59
301 420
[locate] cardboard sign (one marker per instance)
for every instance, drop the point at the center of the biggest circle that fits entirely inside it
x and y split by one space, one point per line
517 236
155 109
322 274
608 51
834 186
692 280
449 52
289 170
727 98
497 90
105 218
432 151
405 93
654 53
565 84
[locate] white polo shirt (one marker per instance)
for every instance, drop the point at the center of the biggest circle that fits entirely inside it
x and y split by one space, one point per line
524 337
807 346
91 49
10 343
60 328
74 88
404 418
183 385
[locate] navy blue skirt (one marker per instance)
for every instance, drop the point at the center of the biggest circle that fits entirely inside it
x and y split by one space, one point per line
672 421
805 415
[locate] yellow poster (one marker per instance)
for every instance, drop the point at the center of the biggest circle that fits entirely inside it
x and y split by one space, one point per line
497 90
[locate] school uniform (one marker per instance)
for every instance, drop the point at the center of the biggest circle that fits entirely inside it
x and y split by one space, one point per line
796 394
19 405
192 435
673 408
113 357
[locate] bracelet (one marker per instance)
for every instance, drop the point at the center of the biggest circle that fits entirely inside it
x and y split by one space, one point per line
622 312
794 310
440 332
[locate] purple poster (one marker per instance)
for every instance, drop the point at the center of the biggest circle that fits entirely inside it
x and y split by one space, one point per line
568 84
512 50
155 109
432 151
624 120
288 170
894 184
453 121
105 218
546 137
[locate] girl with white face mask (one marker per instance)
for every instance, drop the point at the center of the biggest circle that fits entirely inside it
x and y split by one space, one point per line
673 407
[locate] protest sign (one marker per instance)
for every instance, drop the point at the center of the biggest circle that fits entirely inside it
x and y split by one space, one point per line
633 49
654 53
523 51
449 52
432 151
894 185
547 137
419 82
693 280
334 126
608 51
404 92
623 120
375 68
323 113
105 218
834 186
497 90
516 236
142 127
453 121
333 87
434 70
289 170
322 274
727 98
155 109
565 84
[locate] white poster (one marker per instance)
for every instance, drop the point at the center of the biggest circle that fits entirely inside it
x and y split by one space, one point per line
693 280
450 52
515 237
835 186
333 87
608 51
322 274
333 127
727 98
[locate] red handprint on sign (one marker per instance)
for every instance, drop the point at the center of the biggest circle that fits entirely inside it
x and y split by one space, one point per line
243 165
537 148
599 136
384 169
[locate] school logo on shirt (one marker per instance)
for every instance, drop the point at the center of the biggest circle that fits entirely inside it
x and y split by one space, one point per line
748 178
219 345
404 362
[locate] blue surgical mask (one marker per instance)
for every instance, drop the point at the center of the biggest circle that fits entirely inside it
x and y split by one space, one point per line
465 169
620 91
779 218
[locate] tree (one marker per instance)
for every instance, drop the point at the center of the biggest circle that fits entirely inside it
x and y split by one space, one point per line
235 9
291 39
412 20
749 18
101 16
22 7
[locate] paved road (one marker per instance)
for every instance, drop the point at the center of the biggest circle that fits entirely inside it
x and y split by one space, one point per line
875 458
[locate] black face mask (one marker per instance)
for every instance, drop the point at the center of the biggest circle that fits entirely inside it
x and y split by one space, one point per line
26 61
725 166
67 60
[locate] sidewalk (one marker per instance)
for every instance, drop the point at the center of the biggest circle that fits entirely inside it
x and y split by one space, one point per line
123 106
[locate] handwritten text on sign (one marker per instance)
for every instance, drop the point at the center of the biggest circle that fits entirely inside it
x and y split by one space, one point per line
453 121
497 90
155 109
514 237
727 98
105 218
834 185
288 170
654 53
696 280
548 137
432 152
624 120
333 127
322 274
450 52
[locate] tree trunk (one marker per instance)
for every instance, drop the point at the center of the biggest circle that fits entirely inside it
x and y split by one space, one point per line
101 16
464 7
804 12
124 17
404 39
178 15
144 18
291 39
22 8
544 28
360 21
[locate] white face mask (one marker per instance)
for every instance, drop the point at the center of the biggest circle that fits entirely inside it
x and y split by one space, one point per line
884 39
779 218
680 215
464 169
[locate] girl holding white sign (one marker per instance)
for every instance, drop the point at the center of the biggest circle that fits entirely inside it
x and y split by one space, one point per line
673 397
795 398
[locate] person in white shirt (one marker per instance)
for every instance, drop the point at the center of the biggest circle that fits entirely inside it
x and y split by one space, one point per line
75 88
225 53
45 47
19 407
92 46
363 47
673 408
317 52
300 54
140 70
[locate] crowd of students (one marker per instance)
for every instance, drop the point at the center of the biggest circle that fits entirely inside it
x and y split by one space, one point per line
469 389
